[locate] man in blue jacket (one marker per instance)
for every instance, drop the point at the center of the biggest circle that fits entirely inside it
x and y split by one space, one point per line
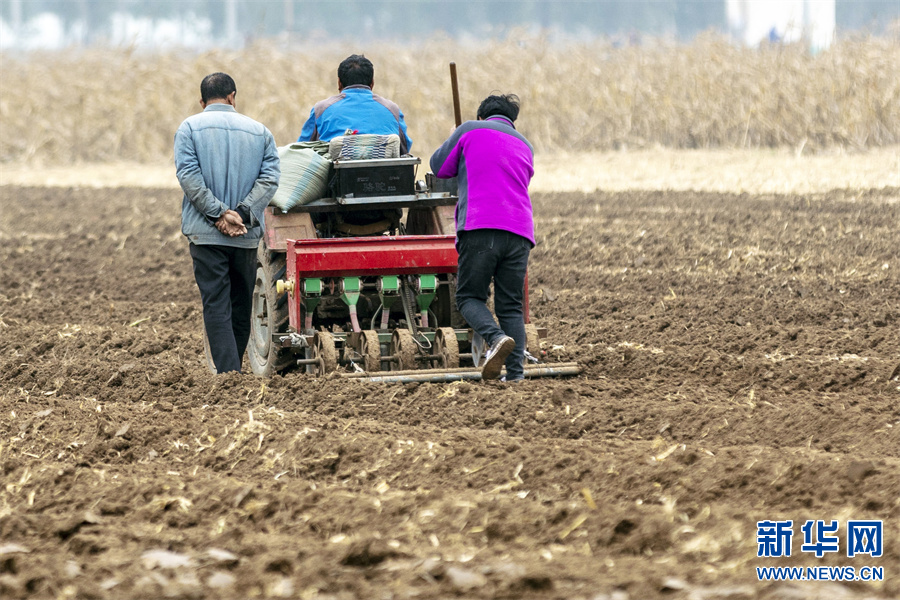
493 164
355 108
227 165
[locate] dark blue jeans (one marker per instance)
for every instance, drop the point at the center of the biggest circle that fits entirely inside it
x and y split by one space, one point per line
501 256
225 276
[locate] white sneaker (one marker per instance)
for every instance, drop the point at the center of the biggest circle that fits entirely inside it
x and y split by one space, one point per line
495 357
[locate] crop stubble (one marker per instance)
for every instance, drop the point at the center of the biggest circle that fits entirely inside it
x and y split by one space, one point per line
738 355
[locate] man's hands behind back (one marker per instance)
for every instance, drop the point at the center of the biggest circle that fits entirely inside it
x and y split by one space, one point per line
231 224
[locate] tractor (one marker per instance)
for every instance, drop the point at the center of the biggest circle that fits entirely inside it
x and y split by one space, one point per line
361 282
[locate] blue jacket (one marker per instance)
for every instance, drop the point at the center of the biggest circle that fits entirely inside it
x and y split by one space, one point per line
493 164
355 108
224 160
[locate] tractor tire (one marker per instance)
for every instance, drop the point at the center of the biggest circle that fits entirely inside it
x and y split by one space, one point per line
270 316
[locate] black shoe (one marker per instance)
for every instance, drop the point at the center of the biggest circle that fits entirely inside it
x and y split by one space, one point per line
495 357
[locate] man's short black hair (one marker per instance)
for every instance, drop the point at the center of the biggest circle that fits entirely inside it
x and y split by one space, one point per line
356 69
506 105
216 86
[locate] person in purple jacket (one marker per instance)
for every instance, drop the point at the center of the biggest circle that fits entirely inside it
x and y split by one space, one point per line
493 164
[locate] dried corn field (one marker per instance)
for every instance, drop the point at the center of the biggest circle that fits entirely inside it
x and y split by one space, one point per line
96 105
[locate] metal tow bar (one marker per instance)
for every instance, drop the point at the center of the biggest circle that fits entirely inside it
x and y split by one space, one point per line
461 374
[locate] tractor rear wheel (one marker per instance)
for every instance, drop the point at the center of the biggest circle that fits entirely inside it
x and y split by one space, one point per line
270 316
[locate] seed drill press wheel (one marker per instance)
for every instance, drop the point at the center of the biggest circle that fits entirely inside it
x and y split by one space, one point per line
370 350
325 352
446 347
403 348
269 316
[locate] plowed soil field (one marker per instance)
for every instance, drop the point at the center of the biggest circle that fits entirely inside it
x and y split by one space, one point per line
741 356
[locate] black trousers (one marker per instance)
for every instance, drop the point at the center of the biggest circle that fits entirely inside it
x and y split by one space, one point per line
487 255
225 276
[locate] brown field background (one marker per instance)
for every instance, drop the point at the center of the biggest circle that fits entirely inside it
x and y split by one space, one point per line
97 105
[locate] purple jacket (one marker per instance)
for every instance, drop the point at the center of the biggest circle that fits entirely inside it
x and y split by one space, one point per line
493 164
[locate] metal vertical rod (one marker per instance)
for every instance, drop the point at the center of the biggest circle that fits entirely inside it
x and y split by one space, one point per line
454 85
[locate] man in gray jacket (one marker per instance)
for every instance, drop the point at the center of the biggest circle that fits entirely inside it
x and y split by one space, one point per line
227 165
